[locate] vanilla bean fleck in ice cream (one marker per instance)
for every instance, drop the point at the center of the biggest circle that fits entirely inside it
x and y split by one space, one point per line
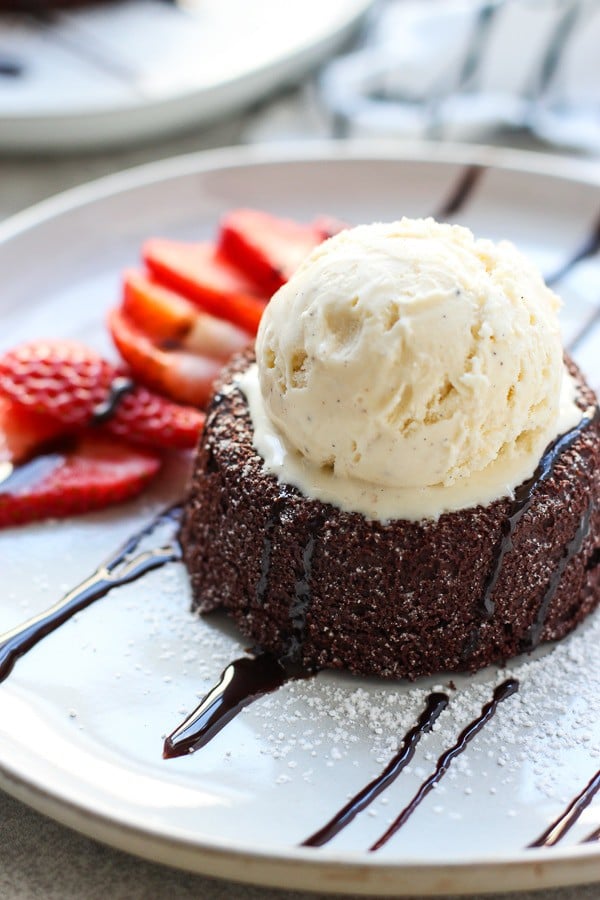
408 369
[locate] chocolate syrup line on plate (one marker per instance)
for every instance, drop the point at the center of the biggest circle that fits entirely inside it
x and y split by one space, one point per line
242 682
583 332
589 248
592 838
567 819
534 635
18 641
461 192
119 388
436 703
502 692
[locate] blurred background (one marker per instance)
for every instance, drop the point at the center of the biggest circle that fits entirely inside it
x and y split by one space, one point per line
90 89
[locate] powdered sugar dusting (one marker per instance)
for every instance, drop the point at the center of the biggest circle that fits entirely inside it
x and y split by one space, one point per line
317 741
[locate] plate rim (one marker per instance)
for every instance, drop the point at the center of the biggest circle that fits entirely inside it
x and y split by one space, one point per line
303 868
561 167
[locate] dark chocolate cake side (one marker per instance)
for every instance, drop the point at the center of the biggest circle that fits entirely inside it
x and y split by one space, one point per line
332 589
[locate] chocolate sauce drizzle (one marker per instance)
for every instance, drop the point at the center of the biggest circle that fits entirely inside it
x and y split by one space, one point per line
567 819
502 692
302 592
436 703
119 388
242 682
534 635
590 247
521 503
582 334
462 191
120 569
519 506
249 678
301 604
265 565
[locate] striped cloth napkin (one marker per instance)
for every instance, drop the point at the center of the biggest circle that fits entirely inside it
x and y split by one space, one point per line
459 69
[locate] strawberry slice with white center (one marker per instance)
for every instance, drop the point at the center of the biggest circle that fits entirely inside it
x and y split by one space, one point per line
267 248
76 475
170 320
201 274
184 376
69 382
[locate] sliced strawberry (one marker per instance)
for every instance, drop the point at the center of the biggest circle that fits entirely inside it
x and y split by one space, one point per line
58 378
208 279
71 383
23 431
166 316
268 249
89 473
147 418
162 313
186 377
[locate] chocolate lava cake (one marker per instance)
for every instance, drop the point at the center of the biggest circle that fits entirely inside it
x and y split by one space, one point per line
331 589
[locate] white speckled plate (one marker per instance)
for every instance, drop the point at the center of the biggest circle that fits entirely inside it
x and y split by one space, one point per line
82 716
112 72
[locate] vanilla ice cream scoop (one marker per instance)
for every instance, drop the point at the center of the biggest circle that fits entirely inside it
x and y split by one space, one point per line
412 355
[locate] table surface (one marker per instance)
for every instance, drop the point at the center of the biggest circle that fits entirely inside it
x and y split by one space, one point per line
38 857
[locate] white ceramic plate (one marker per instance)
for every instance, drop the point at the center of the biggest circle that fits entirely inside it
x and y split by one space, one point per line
116 72
82 716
